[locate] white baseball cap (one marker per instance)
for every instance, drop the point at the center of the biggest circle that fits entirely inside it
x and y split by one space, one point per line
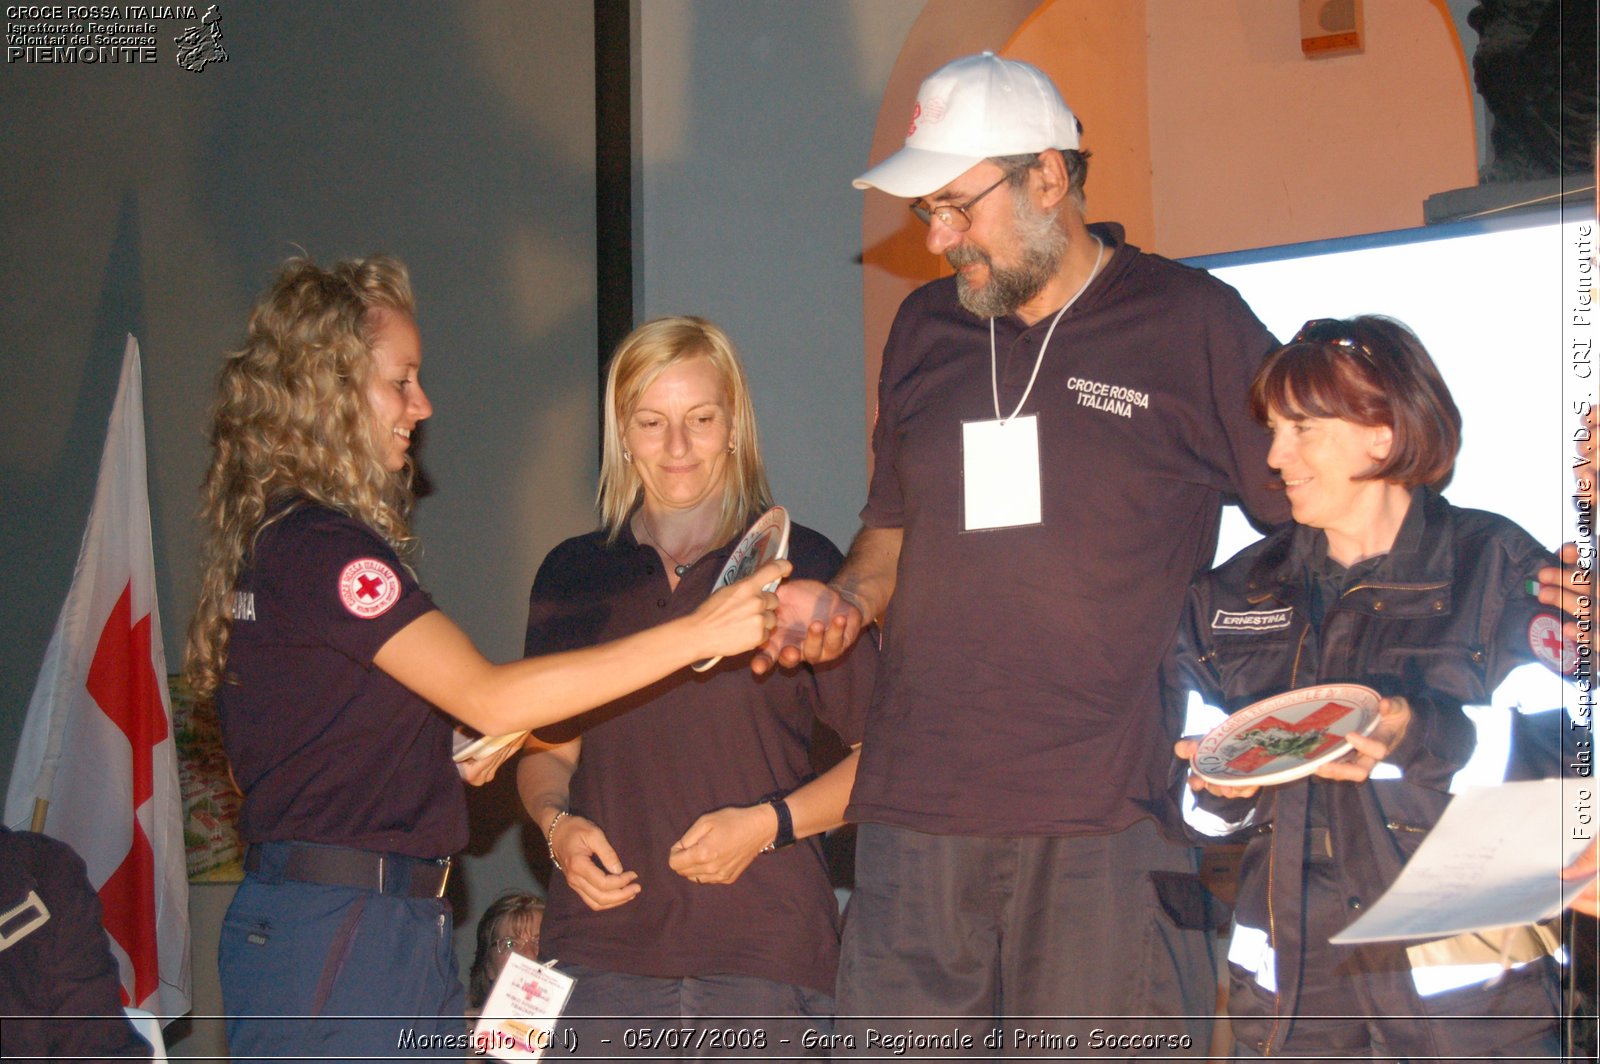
969 110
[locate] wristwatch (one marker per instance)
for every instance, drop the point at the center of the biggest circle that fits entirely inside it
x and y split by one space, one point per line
785 835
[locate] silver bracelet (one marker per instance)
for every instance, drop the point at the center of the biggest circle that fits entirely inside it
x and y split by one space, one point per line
550 841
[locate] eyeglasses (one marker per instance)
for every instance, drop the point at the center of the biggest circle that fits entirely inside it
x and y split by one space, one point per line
953 216
528 946
1336 332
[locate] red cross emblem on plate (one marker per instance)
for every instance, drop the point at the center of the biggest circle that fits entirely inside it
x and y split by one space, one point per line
368 587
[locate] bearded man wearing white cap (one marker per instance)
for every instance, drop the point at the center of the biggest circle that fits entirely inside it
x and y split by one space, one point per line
1058 426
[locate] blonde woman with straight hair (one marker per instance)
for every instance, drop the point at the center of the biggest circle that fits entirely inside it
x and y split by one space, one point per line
336 678
683 822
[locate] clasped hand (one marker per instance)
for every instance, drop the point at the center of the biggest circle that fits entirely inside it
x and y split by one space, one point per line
815 623
717 848
593 870
720 845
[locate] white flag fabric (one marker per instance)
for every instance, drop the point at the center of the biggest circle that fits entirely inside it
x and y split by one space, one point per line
97 744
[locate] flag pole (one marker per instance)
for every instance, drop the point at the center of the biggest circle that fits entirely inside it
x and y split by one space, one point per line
39 807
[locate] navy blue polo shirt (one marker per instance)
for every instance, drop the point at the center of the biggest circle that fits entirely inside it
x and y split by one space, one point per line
1019 691
327 747
652 762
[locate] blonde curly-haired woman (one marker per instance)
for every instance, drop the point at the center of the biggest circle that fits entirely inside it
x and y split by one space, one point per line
330 665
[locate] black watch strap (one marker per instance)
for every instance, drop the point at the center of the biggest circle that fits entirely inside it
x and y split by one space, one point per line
785 835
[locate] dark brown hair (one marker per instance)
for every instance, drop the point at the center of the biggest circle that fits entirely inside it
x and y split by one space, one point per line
1370 371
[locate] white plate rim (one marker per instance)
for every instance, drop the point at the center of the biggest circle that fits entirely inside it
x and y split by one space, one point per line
776 517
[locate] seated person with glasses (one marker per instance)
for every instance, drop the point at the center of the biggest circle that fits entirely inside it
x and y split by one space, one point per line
510 925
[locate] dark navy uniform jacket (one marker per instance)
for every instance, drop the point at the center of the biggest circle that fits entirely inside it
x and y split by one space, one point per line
1441 619
56 968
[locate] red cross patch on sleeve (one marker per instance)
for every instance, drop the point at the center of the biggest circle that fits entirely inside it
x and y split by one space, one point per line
368 588
1550 645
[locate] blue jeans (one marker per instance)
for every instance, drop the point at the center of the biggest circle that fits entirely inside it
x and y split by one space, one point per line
327 971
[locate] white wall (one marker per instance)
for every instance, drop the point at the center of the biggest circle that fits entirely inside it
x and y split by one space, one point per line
1505 358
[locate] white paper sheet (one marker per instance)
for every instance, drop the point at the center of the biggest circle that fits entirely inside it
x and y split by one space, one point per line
1494 860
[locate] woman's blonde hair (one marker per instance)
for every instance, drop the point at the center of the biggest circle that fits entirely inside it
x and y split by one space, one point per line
642 357
291 422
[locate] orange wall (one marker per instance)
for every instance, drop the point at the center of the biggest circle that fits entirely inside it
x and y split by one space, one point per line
1212 132
1253 145
1096 54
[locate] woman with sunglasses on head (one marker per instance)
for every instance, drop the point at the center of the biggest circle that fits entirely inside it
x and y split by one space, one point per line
1379 582
336 678
690 887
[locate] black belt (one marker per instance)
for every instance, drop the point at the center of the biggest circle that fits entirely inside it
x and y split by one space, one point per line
336 866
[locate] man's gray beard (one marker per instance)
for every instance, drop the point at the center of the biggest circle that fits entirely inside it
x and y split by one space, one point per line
1043 245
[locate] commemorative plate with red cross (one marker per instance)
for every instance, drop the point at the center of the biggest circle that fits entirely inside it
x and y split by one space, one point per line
1551 646
1287 736
368 588
767 539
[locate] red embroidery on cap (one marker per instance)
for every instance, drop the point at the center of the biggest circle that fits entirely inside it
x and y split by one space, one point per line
934 112
1550 646
916 112
367 587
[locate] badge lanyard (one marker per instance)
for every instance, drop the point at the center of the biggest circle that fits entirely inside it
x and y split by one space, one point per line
1000 458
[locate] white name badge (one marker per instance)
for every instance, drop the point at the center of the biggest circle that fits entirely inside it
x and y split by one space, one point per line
1000 473
518 1021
